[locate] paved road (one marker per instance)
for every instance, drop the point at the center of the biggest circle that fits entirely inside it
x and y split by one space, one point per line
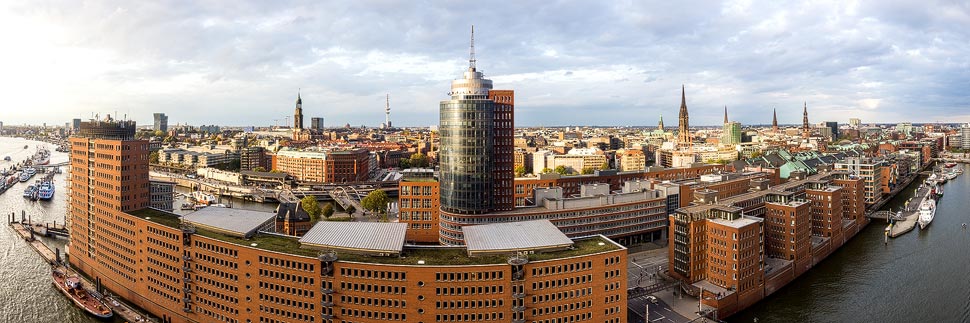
660 312
643 267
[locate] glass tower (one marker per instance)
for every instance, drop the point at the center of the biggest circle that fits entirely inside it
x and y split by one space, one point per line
467 146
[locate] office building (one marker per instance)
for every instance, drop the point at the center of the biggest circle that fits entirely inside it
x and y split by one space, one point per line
162 195
735 249
418 204
965 136
316 123
834 128
855 122
731 133
161 122
327 166
467 153
253 158
76 124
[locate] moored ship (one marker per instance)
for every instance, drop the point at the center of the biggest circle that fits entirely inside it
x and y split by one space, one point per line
71 287
927 211
46 191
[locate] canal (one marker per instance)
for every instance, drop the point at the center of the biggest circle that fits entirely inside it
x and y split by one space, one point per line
922 276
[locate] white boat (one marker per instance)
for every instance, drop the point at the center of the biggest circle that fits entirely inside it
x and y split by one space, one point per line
927 210
203 197
932 179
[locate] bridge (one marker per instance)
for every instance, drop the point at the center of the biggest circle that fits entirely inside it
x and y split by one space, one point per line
348 198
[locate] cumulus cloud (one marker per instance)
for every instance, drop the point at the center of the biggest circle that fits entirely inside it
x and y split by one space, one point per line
570 62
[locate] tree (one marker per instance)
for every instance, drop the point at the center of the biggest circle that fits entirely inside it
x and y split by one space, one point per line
519 171
561 170
375 201
153 157
350 210
546 170
312 207
259 169
587 170
419 160
159 133
327 210
404 163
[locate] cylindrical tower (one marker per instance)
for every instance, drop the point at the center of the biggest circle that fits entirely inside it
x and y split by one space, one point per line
467 146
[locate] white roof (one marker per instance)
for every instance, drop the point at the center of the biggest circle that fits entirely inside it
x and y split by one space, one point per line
366 237
514 236
236 222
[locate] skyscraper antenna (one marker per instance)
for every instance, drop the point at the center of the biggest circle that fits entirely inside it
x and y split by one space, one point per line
471 58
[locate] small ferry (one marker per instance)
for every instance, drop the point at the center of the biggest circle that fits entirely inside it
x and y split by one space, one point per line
203 198
30 191
950 165
27 174
46 191
927 211
71 287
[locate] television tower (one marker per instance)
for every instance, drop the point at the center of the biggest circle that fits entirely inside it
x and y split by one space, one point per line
387 111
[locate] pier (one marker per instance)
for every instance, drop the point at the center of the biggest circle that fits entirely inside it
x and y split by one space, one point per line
53 257
909 215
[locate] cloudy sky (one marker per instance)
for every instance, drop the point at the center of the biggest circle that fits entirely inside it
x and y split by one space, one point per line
569 62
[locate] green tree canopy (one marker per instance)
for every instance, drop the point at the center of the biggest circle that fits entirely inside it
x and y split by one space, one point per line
375 201
587 171
312 207
259 169
327 210
153 157
519 171
546 170
561 170
419 160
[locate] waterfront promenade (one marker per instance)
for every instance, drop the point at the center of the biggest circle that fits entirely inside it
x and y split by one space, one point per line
119 308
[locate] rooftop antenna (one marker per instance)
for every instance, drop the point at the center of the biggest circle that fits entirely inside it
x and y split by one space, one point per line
471 59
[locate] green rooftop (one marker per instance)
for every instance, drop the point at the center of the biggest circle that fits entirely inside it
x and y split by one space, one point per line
410 255
158 216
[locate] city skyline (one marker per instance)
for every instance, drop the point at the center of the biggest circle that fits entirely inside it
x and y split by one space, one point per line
570 64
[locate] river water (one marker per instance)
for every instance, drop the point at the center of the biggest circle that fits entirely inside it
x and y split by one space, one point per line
921 276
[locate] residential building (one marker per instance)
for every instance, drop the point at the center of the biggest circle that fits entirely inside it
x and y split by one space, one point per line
631 160
329 166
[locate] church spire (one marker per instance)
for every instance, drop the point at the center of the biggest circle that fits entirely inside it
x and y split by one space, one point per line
805 132
683 127
774 120
660 127
725 114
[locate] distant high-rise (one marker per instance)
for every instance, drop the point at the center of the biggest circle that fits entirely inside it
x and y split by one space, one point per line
854 122
476 145
774 120
298 114
683 132
965 136
834 126
316 123
161 122
805 129
731 131
387 111
76 125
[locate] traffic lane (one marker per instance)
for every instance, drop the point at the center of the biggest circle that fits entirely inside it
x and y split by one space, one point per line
659 312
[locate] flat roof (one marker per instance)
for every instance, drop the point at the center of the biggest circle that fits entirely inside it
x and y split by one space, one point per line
514 236
737 223
359 237
234 222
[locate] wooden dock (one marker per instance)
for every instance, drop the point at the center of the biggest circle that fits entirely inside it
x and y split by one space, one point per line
121 310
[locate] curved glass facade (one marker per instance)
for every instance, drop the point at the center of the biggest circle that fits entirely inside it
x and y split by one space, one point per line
467 148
